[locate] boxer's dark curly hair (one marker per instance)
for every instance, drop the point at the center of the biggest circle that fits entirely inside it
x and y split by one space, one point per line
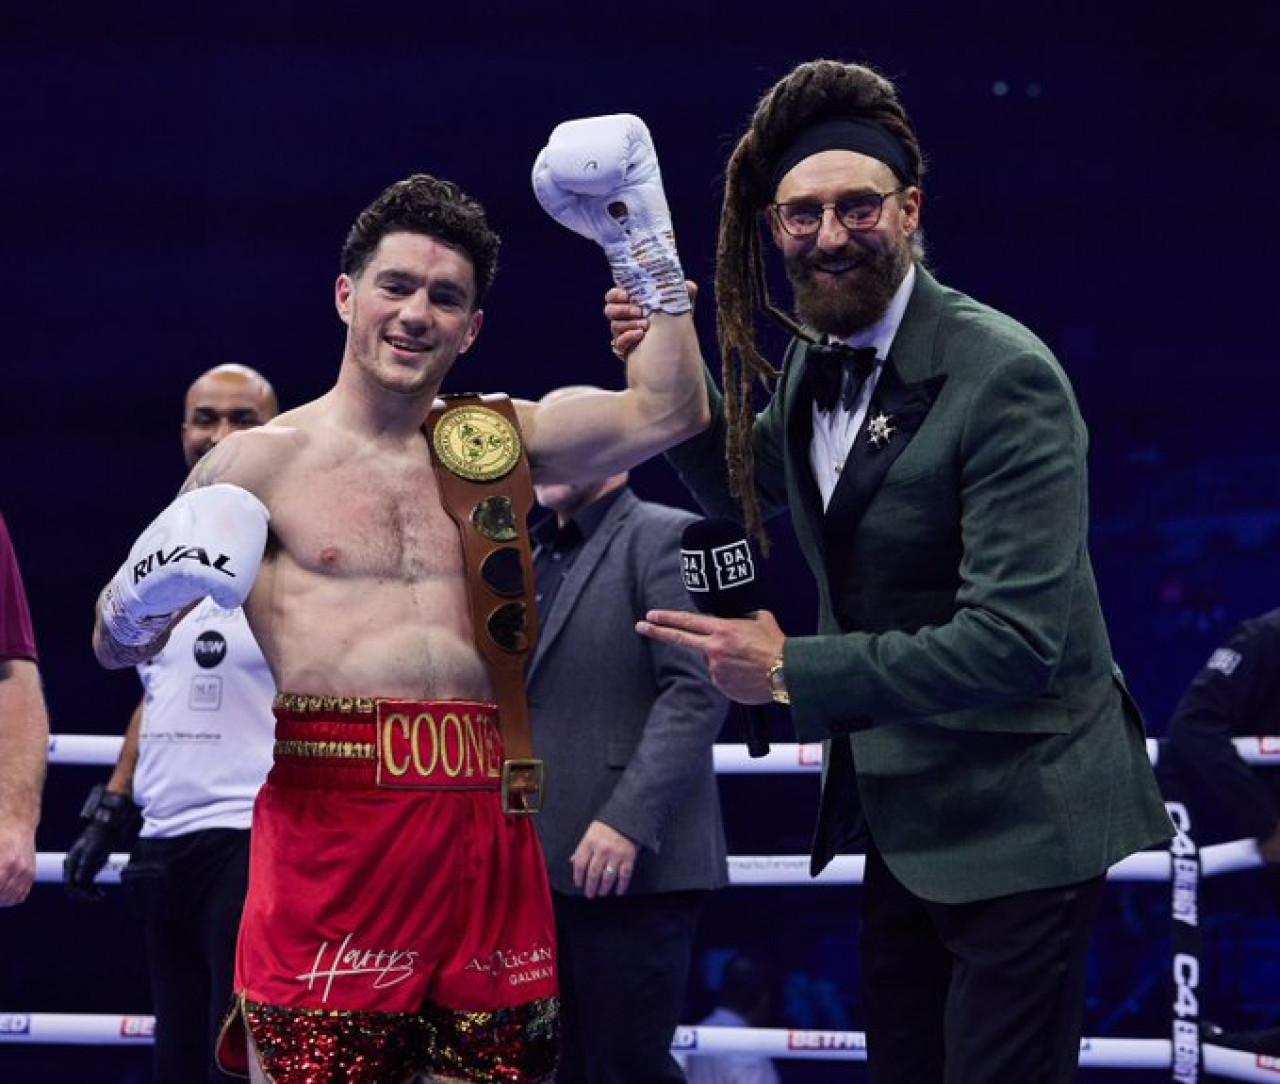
815 91
425 204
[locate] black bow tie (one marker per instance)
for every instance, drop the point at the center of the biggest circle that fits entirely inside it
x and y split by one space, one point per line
827 364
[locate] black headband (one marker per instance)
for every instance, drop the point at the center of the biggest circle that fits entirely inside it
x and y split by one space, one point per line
845 134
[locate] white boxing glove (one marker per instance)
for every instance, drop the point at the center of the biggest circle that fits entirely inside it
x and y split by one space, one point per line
208 542
599 177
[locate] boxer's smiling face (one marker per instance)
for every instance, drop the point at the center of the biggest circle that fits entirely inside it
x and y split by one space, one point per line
409 312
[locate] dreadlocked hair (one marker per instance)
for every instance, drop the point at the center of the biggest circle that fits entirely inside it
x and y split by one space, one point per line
815 91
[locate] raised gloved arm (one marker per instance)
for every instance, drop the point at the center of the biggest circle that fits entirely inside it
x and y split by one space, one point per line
599 177
208 542
110 821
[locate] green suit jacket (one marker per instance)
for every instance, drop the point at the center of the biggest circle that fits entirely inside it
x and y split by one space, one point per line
961 677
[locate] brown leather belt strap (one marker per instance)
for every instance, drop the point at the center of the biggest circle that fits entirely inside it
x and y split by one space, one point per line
485 486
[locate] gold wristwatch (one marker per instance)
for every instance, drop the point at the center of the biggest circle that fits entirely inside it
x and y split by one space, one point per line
778 682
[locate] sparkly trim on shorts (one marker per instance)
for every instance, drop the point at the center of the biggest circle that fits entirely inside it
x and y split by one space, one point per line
315 1046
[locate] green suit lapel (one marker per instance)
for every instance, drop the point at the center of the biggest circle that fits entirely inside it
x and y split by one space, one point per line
903 408
895 414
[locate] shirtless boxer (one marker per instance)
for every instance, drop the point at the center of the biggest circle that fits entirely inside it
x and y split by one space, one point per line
393 931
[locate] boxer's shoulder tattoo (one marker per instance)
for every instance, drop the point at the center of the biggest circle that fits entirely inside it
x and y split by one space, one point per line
211 467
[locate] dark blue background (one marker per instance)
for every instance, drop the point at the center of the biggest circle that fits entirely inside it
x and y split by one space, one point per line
177 181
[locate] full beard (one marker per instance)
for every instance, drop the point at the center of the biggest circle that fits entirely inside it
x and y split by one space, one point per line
846 304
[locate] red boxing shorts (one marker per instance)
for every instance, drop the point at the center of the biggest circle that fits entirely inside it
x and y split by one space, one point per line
397 921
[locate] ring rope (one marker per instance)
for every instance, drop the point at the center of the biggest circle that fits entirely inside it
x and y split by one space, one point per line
764 870
753 870
730 759
105 1029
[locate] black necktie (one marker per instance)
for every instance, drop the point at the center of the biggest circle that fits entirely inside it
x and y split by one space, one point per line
827 364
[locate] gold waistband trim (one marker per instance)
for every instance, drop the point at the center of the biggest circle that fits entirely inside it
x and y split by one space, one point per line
337 705
338 750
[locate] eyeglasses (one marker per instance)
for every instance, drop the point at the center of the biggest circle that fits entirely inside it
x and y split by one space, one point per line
803 218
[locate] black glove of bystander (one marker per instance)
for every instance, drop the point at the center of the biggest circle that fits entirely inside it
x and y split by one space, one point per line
112 819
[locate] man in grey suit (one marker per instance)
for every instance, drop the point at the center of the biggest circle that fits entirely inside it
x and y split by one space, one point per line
631 823
979 741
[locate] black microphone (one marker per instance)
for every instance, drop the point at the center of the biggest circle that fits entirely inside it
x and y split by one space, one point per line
719 571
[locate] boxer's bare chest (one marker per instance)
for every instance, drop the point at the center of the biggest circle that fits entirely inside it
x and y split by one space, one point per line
368 517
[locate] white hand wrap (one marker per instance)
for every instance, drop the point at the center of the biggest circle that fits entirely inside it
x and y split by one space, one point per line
207 542
599 177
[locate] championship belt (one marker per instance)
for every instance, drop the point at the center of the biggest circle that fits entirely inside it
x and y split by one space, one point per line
486 488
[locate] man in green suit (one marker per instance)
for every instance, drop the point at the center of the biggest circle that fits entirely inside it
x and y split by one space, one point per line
980 743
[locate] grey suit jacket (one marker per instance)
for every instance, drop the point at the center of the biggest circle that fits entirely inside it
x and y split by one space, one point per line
961 675
625 725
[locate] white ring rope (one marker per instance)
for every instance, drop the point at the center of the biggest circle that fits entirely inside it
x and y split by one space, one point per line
783 757
756 870
101 1029
845 869
79 1029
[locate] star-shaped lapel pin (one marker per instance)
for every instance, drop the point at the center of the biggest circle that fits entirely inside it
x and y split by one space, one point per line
880 429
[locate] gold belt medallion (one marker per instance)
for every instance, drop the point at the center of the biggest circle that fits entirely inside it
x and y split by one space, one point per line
477 443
